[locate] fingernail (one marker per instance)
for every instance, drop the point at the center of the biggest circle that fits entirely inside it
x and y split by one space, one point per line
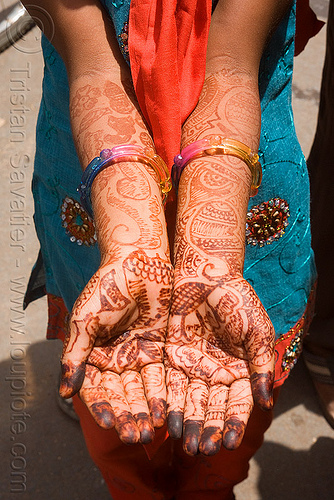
72 377
211 440
234 430
175 424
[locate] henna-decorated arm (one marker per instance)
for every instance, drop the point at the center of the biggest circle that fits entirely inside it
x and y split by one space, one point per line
220 341
113 352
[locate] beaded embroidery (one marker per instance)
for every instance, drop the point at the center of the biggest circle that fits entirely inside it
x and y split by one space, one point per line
123 41
77 223
293 351
267 222
288 347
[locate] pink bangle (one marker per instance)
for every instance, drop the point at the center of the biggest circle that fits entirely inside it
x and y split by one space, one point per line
219 146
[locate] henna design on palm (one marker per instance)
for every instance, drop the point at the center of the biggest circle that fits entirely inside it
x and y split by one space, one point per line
220 336
115 345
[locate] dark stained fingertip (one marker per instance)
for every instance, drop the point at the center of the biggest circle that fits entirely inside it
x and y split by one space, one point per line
262 389
72 377
191 434
233 433
175 424
103 415
211 440
145 428
158 408
127 429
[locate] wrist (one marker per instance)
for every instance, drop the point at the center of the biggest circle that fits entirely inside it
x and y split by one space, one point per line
128 209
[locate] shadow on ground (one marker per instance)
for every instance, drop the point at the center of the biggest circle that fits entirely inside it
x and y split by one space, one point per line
44 450
288 472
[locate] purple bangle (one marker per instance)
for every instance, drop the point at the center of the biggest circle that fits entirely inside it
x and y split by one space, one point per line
218 146
127 152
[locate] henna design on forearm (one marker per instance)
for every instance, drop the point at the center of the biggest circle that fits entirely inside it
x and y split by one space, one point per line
84 99
126 198
127 211
118 99
211 216
106 111
228 105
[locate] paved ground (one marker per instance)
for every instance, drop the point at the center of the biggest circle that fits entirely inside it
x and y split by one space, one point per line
43 450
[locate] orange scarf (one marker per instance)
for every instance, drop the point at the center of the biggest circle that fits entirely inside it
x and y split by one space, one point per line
167 48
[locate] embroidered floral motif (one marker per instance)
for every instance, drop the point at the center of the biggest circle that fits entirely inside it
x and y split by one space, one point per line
267 222
123 40
293 351
77 223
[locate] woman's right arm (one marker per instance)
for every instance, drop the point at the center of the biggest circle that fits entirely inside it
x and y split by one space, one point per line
118 324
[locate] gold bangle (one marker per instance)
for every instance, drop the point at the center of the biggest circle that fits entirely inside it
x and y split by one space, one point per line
219 146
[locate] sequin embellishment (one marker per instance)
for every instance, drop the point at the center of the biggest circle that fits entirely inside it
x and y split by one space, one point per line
123 41
77 223
293 351
267 222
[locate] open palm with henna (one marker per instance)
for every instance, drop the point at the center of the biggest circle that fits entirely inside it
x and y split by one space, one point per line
219 358
114 350
220 342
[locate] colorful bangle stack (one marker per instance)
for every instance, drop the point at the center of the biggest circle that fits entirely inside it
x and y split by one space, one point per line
218 146
128 152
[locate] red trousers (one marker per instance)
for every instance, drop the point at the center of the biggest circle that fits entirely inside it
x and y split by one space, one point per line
170 474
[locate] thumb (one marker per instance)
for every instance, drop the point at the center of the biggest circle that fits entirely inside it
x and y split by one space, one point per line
77 347
262 384
261 356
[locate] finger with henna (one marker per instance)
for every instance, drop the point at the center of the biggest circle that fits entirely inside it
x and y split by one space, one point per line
176 382
76 349
262 389
212 434
135 395
239 408
72 377
194 413
95 398
125 425
153 376
260 350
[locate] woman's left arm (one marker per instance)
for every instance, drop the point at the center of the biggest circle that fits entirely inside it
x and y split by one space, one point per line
220 341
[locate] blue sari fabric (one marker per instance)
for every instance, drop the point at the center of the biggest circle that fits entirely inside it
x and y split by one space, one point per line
279 261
